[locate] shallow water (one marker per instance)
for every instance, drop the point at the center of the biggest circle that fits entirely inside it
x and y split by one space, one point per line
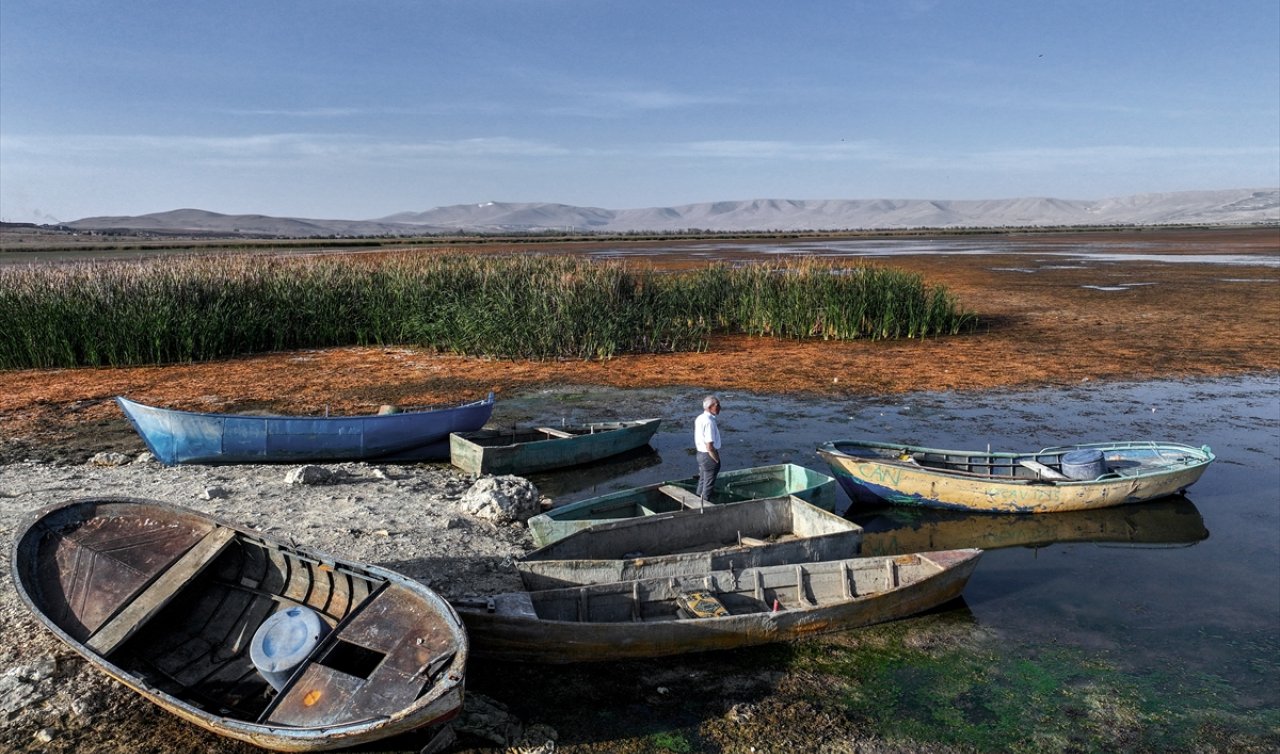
1188 583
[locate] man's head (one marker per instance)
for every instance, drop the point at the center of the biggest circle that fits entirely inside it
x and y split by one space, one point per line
711 403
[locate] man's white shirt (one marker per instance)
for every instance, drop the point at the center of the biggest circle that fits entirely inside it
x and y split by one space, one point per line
706 432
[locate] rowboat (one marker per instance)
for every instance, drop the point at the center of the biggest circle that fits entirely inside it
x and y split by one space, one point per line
1067 478
187 437
497 451
253 639
730 536
731 486
713 610
890 530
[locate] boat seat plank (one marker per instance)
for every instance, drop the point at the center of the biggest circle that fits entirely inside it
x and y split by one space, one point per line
555 432
1043 471
684 497
143 607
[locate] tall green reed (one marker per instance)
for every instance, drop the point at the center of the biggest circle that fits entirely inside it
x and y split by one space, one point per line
522 306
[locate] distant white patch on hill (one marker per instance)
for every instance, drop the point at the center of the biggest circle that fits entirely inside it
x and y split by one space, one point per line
1225 207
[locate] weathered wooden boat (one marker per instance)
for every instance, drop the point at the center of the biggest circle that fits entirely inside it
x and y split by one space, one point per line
734 485
413 435
891 530
654 617
260 641
525 451
1053 480
718 537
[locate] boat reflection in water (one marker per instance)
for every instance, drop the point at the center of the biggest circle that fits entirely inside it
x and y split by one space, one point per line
585 481
894 529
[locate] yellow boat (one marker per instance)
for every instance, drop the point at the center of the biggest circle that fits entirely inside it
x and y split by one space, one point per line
1067 478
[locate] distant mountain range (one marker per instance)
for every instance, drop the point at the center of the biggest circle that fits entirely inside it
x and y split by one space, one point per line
1227 207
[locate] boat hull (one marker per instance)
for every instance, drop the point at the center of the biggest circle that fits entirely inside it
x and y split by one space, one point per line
569 639
166 600
176 437
493 451
735 485
875 474
727 537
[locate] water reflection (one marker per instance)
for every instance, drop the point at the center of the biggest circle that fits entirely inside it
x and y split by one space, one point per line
893 530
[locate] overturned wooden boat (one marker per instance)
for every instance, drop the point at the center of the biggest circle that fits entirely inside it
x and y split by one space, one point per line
718 537
526 451
891 530
260 641
734 485
713 610
1066 478
412 435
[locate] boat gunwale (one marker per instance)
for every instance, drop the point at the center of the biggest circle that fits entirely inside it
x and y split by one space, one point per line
416 411
617 426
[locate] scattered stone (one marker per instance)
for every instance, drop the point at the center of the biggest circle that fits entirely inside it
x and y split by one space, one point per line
537 739
212 493
486 718
44 736
109 458
44 669
501 499
309 475
17 693
145 456
741 712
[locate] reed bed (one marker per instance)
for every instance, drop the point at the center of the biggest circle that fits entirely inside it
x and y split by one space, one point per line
514 306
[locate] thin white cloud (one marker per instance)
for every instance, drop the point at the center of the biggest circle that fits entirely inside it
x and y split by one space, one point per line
268 147
775 150
1059 158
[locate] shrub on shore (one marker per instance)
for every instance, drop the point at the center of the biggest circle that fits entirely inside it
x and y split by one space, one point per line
517 306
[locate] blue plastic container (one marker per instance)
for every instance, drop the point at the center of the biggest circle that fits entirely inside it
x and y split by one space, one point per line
284 641
1083 465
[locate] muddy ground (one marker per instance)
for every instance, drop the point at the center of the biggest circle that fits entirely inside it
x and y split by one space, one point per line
1040 327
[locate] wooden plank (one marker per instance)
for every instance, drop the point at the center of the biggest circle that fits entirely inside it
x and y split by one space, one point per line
683 496
143 607
556 432
1044 472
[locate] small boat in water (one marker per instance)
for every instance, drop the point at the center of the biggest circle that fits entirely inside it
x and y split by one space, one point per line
734 485
498 451
892 530
1053 480
730 536
412 435
712 610
253 639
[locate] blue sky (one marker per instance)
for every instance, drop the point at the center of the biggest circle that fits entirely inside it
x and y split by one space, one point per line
358 109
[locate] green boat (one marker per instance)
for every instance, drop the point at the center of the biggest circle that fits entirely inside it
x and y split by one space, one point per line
731 486
525 451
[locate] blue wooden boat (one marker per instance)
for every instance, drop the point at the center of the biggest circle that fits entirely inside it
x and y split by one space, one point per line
185 437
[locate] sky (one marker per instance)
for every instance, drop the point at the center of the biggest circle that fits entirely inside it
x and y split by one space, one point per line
358 109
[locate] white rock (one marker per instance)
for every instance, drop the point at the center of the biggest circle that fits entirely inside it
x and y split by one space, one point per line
501 499
107 458
309 475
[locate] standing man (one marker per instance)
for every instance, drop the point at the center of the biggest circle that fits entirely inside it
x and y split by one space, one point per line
706 440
